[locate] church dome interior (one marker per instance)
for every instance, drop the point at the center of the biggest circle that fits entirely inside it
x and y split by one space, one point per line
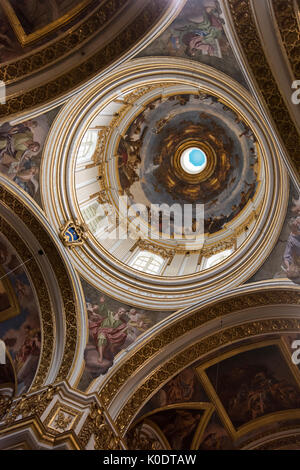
149 225
152 165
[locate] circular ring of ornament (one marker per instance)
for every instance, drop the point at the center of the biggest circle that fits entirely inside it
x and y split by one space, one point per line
134 84
194 161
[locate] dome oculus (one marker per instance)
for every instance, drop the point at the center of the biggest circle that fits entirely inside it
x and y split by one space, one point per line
193 160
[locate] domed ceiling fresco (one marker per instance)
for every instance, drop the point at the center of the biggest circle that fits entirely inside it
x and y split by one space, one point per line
153 168
183 167
150 171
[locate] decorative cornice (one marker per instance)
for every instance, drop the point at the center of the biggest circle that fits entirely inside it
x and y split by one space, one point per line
57 413
42 436
248 36
97 424
5 404
33 405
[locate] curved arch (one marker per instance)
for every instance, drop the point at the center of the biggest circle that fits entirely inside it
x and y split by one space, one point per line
246 312
56 283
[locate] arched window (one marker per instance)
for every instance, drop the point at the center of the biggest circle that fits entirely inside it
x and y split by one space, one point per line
147 262
87 146
217 258
93 215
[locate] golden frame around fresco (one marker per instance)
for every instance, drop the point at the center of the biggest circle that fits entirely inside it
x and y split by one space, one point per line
27 39
268 419
206 407
14 308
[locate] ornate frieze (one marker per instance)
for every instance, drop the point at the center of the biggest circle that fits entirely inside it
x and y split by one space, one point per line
286 12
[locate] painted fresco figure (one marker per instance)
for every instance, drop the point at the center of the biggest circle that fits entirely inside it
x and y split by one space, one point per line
184 424
203 32
291 255
15 144
108 330
27 357
16 147
137 324
26 177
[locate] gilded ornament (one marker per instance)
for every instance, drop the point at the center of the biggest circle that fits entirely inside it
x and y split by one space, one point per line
73 233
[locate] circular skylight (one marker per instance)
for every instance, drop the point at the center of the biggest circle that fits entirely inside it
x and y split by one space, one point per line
193 160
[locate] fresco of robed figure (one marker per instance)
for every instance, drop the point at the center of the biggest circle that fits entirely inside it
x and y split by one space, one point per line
112 327
198 34
21 148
